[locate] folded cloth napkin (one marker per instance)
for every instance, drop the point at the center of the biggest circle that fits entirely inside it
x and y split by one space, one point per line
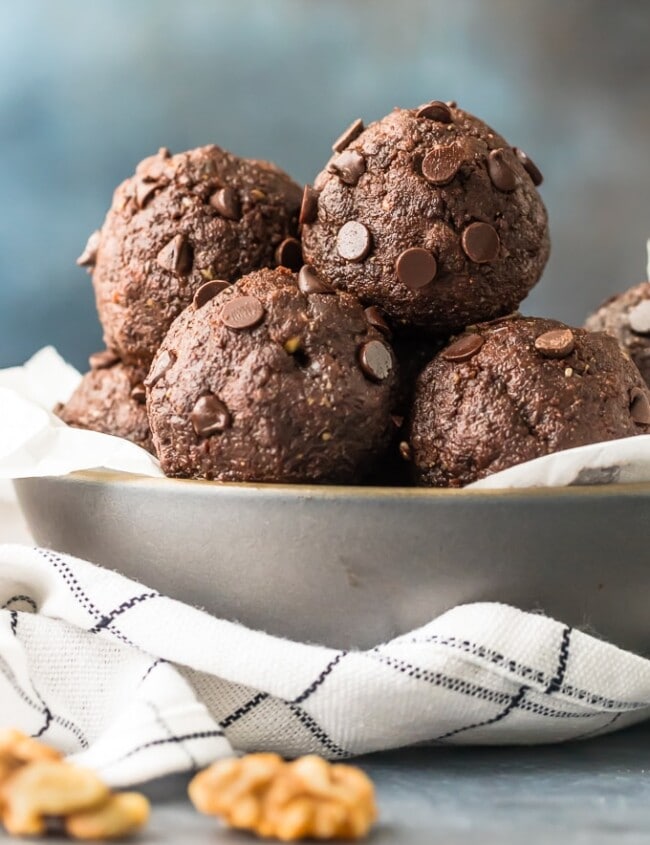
137 685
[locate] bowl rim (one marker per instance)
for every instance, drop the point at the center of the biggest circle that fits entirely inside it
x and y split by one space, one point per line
342 491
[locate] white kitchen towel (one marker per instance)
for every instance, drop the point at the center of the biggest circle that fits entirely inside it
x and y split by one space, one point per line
137 685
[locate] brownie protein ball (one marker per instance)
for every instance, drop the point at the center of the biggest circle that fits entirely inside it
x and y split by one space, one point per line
518 389
277 378
180 221
110 399
429 214
627 318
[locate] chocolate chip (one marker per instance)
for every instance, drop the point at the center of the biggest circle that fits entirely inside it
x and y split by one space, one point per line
309 205
208 291
462 349
353 241
558 343
452 104
416 268
176 256
289 254
639 406
353 131
529 166
442 163
144 190
437 111
103 360
375 360
639 317
349 166
89 255
480 242
375 317
209 416
159 367
226 202
138 394
502 175
310 282
242 312
406 451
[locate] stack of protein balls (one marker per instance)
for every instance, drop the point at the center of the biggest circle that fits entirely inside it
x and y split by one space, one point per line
362 330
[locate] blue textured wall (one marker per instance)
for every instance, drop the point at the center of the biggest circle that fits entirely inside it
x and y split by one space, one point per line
88 87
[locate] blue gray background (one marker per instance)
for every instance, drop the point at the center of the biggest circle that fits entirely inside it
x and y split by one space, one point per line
88 87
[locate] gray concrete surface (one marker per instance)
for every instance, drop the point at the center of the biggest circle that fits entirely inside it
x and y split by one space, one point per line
591 792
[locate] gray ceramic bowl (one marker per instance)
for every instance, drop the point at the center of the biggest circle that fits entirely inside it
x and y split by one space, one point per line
353 566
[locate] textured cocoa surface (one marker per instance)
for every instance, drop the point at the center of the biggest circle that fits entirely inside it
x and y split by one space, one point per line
616 316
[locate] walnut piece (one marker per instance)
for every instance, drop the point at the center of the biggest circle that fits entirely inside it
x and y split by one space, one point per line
17 748
308 797
37 785
120 816
48 788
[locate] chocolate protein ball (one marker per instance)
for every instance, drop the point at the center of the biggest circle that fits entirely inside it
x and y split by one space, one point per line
429 214
110 399
277 378
180 221
626 317
518 389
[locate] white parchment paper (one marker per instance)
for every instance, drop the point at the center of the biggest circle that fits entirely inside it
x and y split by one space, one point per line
33 442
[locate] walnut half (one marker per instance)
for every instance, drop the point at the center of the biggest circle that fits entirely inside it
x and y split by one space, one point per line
308 797
37 786
17 749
